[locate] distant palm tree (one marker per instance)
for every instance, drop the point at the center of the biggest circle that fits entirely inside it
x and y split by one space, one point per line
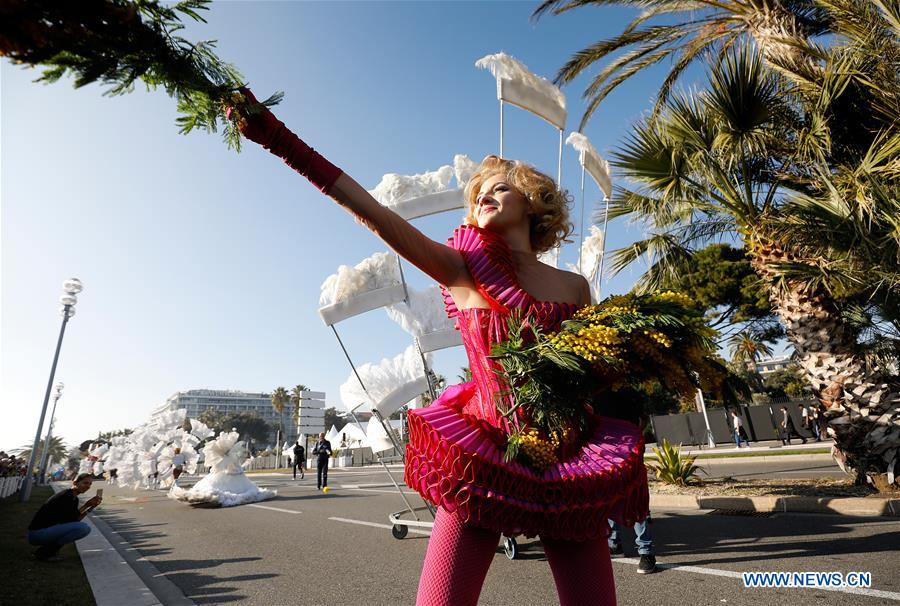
466 374
295 400
746 348
58 451
280 398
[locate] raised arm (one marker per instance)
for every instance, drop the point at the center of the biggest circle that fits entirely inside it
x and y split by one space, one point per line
440 262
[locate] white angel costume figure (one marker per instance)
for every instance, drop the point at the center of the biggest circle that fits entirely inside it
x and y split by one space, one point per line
226 485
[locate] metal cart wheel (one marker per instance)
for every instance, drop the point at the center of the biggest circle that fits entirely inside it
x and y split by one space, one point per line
510 547
399 531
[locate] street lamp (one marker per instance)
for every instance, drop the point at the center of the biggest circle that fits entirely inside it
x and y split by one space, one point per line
72 286
45 458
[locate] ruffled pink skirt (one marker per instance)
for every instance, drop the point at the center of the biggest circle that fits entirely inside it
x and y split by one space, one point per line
455 461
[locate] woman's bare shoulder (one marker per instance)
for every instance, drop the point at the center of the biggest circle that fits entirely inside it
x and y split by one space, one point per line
576 285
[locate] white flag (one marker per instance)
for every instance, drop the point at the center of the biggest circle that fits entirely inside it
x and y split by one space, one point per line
592 162
517 85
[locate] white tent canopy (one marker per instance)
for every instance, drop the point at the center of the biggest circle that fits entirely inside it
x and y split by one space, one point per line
350 436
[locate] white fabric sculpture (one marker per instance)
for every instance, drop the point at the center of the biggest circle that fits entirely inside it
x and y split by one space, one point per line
378 271
424 313
225 485
382 379
591 253
394 188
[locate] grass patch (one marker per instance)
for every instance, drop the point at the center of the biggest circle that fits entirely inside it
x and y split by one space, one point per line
31 582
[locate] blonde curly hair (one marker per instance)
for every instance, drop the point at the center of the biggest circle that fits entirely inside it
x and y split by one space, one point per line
549 205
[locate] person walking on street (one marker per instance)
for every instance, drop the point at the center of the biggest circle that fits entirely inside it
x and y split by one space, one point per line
787 428
58 521
739 434
814 422
642 540
299 458
322 450
806 416
153 478
178 462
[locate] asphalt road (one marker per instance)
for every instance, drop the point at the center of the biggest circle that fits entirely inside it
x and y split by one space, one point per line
305 547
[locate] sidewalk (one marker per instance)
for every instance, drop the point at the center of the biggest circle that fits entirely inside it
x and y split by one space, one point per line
771 447
116 573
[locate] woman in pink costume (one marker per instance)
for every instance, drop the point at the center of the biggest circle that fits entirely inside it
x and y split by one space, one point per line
488 269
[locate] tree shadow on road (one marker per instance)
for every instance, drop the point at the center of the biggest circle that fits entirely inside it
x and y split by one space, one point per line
199 587
720 539
208 589
136 535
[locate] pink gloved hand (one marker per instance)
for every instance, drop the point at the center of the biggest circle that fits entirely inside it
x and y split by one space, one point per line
261 126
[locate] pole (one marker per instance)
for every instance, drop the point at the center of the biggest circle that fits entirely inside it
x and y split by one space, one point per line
25 492
559 162
501 122
581 228
710 441
603 252
46 454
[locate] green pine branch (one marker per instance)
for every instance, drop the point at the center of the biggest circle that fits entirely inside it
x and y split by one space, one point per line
119 43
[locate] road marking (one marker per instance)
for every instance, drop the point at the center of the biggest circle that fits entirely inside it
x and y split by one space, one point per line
275 508
376 525
394 491
385 488
716 572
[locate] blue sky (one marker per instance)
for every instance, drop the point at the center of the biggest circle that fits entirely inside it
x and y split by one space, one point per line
201 266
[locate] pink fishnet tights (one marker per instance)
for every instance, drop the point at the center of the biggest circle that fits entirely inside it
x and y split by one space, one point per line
459 555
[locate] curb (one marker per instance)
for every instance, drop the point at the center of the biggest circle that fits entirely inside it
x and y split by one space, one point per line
848 506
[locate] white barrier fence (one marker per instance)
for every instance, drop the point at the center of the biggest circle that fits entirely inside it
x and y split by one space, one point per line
10 485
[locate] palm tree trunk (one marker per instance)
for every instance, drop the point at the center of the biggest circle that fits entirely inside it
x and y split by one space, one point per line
863 409
771 24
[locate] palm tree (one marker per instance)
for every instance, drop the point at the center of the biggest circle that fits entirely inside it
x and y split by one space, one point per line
746 348
694 30
788 35
280 398
739 158
295 400
58 450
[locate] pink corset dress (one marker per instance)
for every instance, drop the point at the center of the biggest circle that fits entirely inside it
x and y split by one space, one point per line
454 458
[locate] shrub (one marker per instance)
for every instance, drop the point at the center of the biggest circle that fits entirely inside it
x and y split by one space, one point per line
672 467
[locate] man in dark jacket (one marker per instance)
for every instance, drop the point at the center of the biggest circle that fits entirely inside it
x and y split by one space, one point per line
787 428
323 452
299 459
58 521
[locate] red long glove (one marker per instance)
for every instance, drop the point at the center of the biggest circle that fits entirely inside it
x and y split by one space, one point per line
270 132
